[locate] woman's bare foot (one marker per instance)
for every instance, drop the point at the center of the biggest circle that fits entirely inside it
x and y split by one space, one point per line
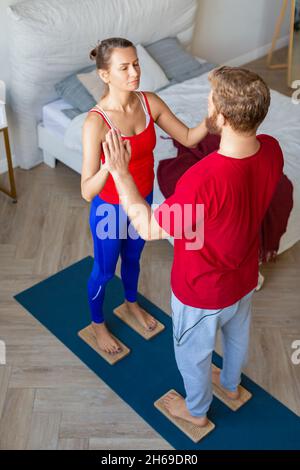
104 339
146 320
176 406
216 380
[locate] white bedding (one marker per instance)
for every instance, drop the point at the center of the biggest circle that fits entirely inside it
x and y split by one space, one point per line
53 119
188 100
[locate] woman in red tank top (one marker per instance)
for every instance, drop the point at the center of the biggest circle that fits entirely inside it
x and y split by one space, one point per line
134 114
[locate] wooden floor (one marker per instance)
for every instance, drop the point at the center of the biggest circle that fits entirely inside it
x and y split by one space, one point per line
48 398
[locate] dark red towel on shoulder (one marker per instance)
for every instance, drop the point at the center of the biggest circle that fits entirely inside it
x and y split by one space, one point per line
170 170
275 221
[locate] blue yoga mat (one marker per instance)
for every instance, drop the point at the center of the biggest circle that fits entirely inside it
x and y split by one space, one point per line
149 371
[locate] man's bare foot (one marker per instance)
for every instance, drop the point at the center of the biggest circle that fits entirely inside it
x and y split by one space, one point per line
216 380
104 339
260 282
176 406
146 320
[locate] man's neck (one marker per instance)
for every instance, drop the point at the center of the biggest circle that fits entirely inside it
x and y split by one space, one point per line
237 145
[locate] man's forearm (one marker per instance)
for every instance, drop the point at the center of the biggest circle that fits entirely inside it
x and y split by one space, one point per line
135 206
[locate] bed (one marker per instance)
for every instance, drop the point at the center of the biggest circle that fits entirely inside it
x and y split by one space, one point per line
44 133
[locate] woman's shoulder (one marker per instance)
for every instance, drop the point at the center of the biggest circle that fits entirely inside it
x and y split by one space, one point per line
155 103
150 95
94 122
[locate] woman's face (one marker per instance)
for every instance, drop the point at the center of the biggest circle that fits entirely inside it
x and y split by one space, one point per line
124 72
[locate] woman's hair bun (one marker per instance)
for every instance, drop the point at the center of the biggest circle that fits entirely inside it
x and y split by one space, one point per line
93 54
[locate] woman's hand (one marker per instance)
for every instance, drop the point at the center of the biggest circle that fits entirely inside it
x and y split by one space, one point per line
117 153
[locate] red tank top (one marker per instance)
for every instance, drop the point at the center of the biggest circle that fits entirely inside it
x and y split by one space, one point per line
141 165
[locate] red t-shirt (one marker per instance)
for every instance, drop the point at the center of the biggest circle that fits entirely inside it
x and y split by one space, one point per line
236 194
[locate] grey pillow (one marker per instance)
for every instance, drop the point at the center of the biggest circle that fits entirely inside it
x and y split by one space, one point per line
74 93
176 62
71 113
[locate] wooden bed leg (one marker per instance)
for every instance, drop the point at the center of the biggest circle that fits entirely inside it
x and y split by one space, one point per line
49 159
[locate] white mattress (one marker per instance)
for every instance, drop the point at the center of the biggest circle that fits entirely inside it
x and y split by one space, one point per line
188 100
54 119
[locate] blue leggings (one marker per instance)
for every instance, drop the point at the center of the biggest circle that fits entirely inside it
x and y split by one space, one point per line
122 240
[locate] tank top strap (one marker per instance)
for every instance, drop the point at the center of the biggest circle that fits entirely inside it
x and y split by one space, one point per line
146 103
142 100
103 114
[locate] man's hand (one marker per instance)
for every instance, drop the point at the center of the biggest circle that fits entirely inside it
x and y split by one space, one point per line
117 153
117 156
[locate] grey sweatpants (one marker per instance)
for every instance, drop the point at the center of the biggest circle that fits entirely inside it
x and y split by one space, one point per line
194 333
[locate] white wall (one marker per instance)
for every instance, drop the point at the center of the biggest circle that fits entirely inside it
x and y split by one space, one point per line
231 31
4 74
236 31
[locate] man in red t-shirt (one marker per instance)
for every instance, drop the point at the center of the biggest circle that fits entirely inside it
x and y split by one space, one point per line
214 215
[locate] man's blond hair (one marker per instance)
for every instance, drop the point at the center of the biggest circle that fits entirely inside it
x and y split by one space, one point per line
241 96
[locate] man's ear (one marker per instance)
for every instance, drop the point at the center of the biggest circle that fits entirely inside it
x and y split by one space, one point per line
221 120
